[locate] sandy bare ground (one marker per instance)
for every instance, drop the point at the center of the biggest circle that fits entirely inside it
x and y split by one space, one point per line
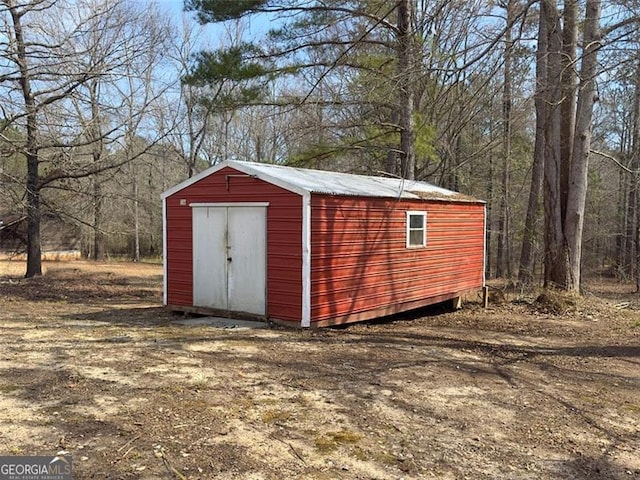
92 365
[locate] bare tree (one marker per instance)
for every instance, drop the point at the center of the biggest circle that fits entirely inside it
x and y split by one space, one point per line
525 270
193 118
564 223
406 70
69 62
31 66
503 260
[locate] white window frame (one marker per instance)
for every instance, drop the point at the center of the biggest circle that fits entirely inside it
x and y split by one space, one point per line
423 214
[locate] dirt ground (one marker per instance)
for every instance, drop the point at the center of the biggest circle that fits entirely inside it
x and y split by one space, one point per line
92 365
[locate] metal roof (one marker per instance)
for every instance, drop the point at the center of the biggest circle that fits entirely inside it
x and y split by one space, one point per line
302 180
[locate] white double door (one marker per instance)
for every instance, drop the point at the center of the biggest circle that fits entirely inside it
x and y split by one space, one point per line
229 257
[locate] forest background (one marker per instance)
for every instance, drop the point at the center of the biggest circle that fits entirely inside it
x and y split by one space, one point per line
532 106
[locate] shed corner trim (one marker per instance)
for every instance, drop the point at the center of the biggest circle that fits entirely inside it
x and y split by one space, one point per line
165 285
306 260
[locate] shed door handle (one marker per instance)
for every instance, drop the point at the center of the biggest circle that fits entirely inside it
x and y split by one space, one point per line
229 259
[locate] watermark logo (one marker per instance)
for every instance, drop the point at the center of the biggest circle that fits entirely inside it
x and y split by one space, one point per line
57 467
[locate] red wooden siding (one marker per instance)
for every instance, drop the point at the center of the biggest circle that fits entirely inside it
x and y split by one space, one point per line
360 263
284 238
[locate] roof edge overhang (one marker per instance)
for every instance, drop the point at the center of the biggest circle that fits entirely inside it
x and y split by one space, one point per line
241 167
469 201
413 197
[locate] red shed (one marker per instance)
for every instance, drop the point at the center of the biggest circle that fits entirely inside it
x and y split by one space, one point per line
316 248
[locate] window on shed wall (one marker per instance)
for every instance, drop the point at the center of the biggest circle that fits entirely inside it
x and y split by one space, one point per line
416 229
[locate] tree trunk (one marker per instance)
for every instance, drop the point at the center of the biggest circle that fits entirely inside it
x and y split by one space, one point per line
34 208
489 214
136 218
621 238
406 100
556 253
525 271
635 167
98 220
625 183
630 246
574 220
195 135
568 97
97 139
391 162
504 250
491 197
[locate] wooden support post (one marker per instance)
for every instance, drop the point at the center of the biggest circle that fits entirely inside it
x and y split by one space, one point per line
485 296
457 303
